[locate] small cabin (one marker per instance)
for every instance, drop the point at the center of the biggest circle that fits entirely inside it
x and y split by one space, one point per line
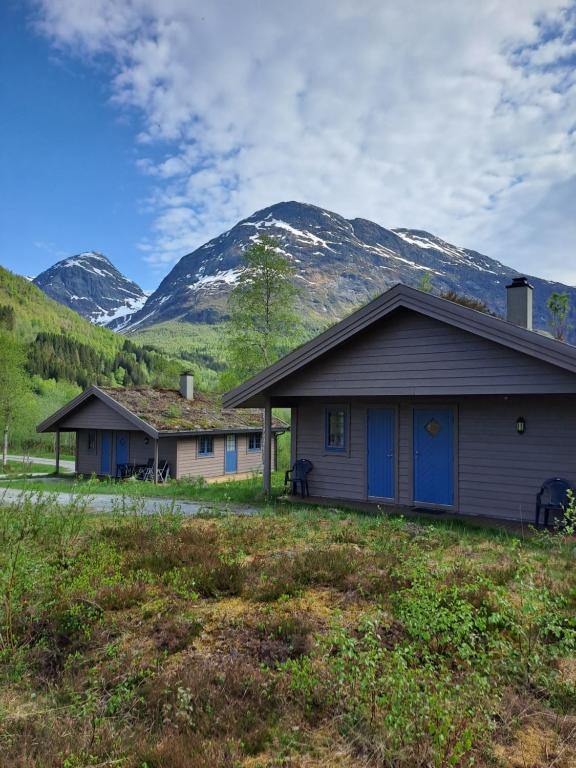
419 402
187 432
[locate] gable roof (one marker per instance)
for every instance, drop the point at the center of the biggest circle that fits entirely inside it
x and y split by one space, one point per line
544 348
162 412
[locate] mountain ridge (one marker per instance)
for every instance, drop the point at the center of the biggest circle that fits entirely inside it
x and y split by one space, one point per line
92 286
340 264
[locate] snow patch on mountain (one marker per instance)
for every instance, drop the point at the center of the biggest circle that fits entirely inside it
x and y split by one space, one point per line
91 285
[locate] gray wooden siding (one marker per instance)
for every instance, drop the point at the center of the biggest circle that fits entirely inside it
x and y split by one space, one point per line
499 471
140 452
192 465
335 475
410 354
94 414
88 462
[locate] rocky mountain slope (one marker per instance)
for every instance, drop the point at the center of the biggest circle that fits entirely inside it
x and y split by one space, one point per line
340 264
90 284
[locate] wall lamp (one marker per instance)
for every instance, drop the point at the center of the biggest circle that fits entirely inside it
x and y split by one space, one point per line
520 425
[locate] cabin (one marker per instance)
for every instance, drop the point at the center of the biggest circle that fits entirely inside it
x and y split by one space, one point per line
189 432
419 402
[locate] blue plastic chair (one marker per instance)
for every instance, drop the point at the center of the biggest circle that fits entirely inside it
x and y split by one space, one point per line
298 476
552 497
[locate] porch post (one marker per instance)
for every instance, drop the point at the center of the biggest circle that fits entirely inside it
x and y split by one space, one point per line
57 451
155 461
267 458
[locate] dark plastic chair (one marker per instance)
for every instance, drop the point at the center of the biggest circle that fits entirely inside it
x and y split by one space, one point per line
552 497
298 475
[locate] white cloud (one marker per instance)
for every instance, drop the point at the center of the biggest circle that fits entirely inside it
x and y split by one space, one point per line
456 117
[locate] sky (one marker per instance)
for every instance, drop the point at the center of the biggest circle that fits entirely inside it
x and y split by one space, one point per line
142 128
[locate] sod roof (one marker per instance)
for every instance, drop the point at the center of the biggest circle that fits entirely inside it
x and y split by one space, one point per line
167 410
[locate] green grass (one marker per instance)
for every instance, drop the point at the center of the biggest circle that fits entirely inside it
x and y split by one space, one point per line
24 467
247 491
290 638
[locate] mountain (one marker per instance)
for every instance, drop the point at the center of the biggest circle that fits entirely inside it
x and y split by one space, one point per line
91 285
340 264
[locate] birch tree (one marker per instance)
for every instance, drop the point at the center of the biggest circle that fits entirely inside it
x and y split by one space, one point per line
264 323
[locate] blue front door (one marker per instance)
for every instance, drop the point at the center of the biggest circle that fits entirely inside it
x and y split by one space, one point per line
231 455
381 453
106 454
122 444
433 456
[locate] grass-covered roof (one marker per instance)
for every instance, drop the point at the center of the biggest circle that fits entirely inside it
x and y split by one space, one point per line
167 410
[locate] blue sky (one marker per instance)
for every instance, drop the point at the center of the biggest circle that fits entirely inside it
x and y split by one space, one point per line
141 128
68 179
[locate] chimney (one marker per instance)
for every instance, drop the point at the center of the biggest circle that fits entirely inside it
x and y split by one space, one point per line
187 385
519 302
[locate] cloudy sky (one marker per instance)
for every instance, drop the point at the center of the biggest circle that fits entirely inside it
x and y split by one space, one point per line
142 128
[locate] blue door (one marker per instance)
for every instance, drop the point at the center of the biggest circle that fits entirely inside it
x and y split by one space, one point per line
433 456
122 444
106 454
231 455
381 453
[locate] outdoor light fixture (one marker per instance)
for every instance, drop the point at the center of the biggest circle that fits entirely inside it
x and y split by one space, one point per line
146 440
520 425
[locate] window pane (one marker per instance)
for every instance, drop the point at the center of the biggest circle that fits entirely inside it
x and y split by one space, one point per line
336 421
254 442
205 445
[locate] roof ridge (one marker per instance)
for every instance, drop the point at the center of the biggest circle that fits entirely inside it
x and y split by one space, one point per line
474 321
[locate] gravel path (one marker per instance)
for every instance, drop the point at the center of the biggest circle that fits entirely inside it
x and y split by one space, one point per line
64 463
109 502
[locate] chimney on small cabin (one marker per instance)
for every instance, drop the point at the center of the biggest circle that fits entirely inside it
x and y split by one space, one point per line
519 302
187 385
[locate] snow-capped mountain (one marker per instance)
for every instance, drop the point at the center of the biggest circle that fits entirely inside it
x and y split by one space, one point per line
90 284
339 264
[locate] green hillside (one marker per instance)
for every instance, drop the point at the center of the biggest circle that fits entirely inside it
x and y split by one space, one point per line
64 353
35 312
201 344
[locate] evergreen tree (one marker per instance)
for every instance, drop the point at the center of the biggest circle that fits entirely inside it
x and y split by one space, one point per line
16 404
264 323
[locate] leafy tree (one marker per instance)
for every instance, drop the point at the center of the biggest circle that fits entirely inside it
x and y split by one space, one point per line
264 323
16 403
425 283
559 308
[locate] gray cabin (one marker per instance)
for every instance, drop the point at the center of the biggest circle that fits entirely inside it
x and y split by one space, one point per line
418 401
188 431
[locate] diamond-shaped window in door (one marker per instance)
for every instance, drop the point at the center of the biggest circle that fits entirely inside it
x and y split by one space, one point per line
433 427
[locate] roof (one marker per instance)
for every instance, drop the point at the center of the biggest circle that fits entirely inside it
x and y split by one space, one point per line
254 391
164 412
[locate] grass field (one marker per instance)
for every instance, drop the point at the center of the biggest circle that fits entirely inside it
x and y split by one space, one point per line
24 467
247 491
304 639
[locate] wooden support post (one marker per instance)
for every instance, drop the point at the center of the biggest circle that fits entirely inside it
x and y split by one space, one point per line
155 461
267 458
57 451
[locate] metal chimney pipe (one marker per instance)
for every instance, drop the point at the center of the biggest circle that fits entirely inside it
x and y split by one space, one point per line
519 302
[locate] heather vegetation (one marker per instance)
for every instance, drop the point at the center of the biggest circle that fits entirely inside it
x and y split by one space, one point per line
313 638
